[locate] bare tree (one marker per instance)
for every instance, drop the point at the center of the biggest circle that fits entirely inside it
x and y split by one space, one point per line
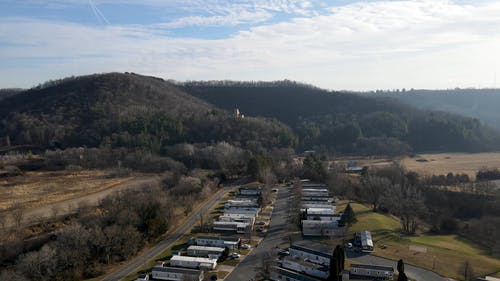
17 213
405 201
373 189
466 271
266 266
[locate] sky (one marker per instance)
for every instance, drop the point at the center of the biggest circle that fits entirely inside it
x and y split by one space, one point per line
336 44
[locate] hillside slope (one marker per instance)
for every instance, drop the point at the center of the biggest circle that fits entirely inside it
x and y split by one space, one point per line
125 110
348 122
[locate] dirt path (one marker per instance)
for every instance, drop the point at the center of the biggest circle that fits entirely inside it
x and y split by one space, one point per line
61 208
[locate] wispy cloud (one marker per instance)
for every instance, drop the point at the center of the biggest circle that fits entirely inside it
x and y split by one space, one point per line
365 45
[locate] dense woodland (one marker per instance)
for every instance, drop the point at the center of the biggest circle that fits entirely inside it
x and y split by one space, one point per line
349 123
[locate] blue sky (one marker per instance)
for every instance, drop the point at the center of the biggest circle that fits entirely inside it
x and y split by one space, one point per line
356 45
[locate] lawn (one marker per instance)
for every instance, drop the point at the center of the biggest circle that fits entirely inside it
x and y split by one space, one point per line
444 254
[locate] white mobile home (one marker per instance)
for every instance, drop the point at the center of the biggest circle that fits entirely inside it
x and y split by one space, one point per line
242 210
304 266
314 252
250 190
218 241
372 272
283 274
315 192
193 262
176 273
251 203
366 241
234 226
315 204
250 219
321 228
324 199
205 251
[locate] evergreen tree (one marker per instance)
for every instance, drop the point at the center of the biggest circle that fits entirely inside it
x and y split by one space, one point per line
337 264
348 216
401 271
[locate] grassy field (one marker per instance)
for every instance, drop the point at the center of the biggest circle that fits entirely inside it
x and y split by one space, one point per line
442 163
35 189
444 254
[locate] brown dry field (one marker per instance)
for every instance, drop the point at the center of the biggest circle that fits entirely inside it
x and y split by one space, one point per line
436 164
443 163
36 189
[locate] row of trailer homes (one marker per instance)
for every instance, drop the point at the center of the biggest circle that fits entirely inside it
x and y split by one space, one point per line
318 211
307 260
204 251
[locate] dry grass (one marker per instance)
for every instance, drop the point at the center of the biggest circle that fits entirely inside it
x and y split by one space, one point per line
443 163
35 189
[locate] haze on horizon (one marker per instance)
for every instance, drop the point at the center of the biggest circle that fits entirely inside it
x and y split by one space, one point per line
354 45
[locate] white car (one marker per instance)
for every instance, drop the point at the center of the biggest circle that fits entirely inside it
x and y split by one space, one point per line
235 256
245 246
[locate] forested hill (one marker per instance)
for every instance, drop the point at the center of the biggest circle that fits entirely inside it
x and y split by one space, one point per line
5 93
478 103
126 110
348 122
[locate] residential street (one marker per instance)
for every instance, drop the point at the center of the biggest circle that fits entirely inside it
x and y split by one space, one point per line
249 267
167 242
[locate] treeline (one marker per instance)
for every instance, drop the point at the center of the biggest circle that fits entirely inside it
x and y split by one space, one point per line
112 232
349 123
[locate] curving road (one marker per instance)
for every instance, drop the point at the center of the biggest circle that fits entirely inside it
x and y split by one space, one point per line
151 253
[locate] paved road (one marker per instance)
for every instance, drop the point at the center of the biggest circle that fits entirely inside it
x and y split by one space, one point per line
413 272
167 242
276 235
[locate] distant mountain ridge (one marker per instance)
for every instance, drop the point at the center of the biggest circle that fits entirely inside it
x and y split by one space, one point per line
482 104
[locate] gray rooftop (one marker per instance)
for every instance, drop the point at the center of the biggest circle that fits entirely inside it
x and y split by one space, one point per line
176 270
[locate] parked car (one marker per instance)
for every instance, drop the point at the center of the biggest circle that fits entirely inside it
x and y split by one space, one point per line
245 246
259 229
284 252
235 256
260 223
